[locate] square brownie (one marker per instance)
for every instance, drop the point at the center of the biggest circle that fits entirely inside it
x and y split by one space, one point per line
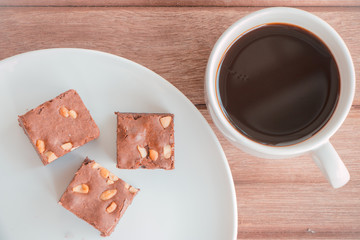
145 140
97 196
58 126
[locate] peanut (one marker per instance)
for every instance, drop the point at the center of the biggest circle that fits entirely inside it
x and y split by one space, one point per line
133 190
64 112
106 195
111 207
82 188
50 156
95 165
165 121
104 172
40 145
73 114
112 177
142 151
153 155
167 151
67 146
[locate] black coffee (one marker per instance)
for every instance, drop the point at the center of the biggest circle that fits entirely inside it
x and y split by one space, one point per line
278 84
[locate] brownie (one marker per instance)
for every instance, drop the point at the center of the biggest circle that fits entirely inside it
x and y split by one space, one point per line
58 126
145 140
98 197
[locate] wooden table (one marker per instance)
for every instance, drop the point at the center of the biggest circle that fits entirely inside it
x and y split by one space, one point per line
277 199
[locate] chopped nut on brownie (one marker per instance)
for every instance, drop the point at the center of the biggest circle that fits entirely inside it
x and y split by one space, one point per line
145 140
59 126
91 198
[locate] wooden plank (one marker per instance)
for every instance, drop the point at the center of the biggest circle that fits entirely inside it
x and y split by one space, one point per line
290 199
307 234
174 42
195 3
299 170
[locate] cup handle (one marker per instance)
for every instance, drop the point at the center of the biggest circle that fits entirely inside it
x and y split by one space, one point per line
330 164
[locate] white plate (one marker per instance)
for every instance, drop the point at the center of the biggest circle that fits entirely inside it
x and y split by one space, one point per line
194 201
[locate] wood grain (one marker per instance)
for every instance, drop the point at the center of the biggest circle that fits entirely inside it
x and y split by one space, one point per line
194 3
277 199
290 199
175 49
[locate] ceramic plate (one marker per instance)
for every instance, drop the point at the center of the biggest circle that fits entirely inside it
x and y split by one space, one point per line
194 201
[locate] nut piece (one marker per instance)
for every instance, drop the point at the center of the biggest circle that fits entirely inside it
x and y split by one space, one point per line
109 182
104 172
126 185
64 112
112 177
50 156
67 146
73 114
82 188
142 151
95 165
111 207
40 145
74 148
167 151
106 195
133 190
153 155
165 121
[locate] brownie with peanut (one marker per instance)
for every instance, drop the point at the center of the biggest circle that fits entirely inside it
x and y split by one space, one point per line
145 140
59 126
98 197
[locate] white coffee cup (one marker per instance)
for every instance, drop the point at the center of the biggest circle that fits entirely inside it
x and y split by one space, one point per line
318 145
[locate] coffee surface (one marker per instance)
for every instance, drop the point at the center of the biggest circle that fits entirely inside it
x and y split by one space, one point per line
278 84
